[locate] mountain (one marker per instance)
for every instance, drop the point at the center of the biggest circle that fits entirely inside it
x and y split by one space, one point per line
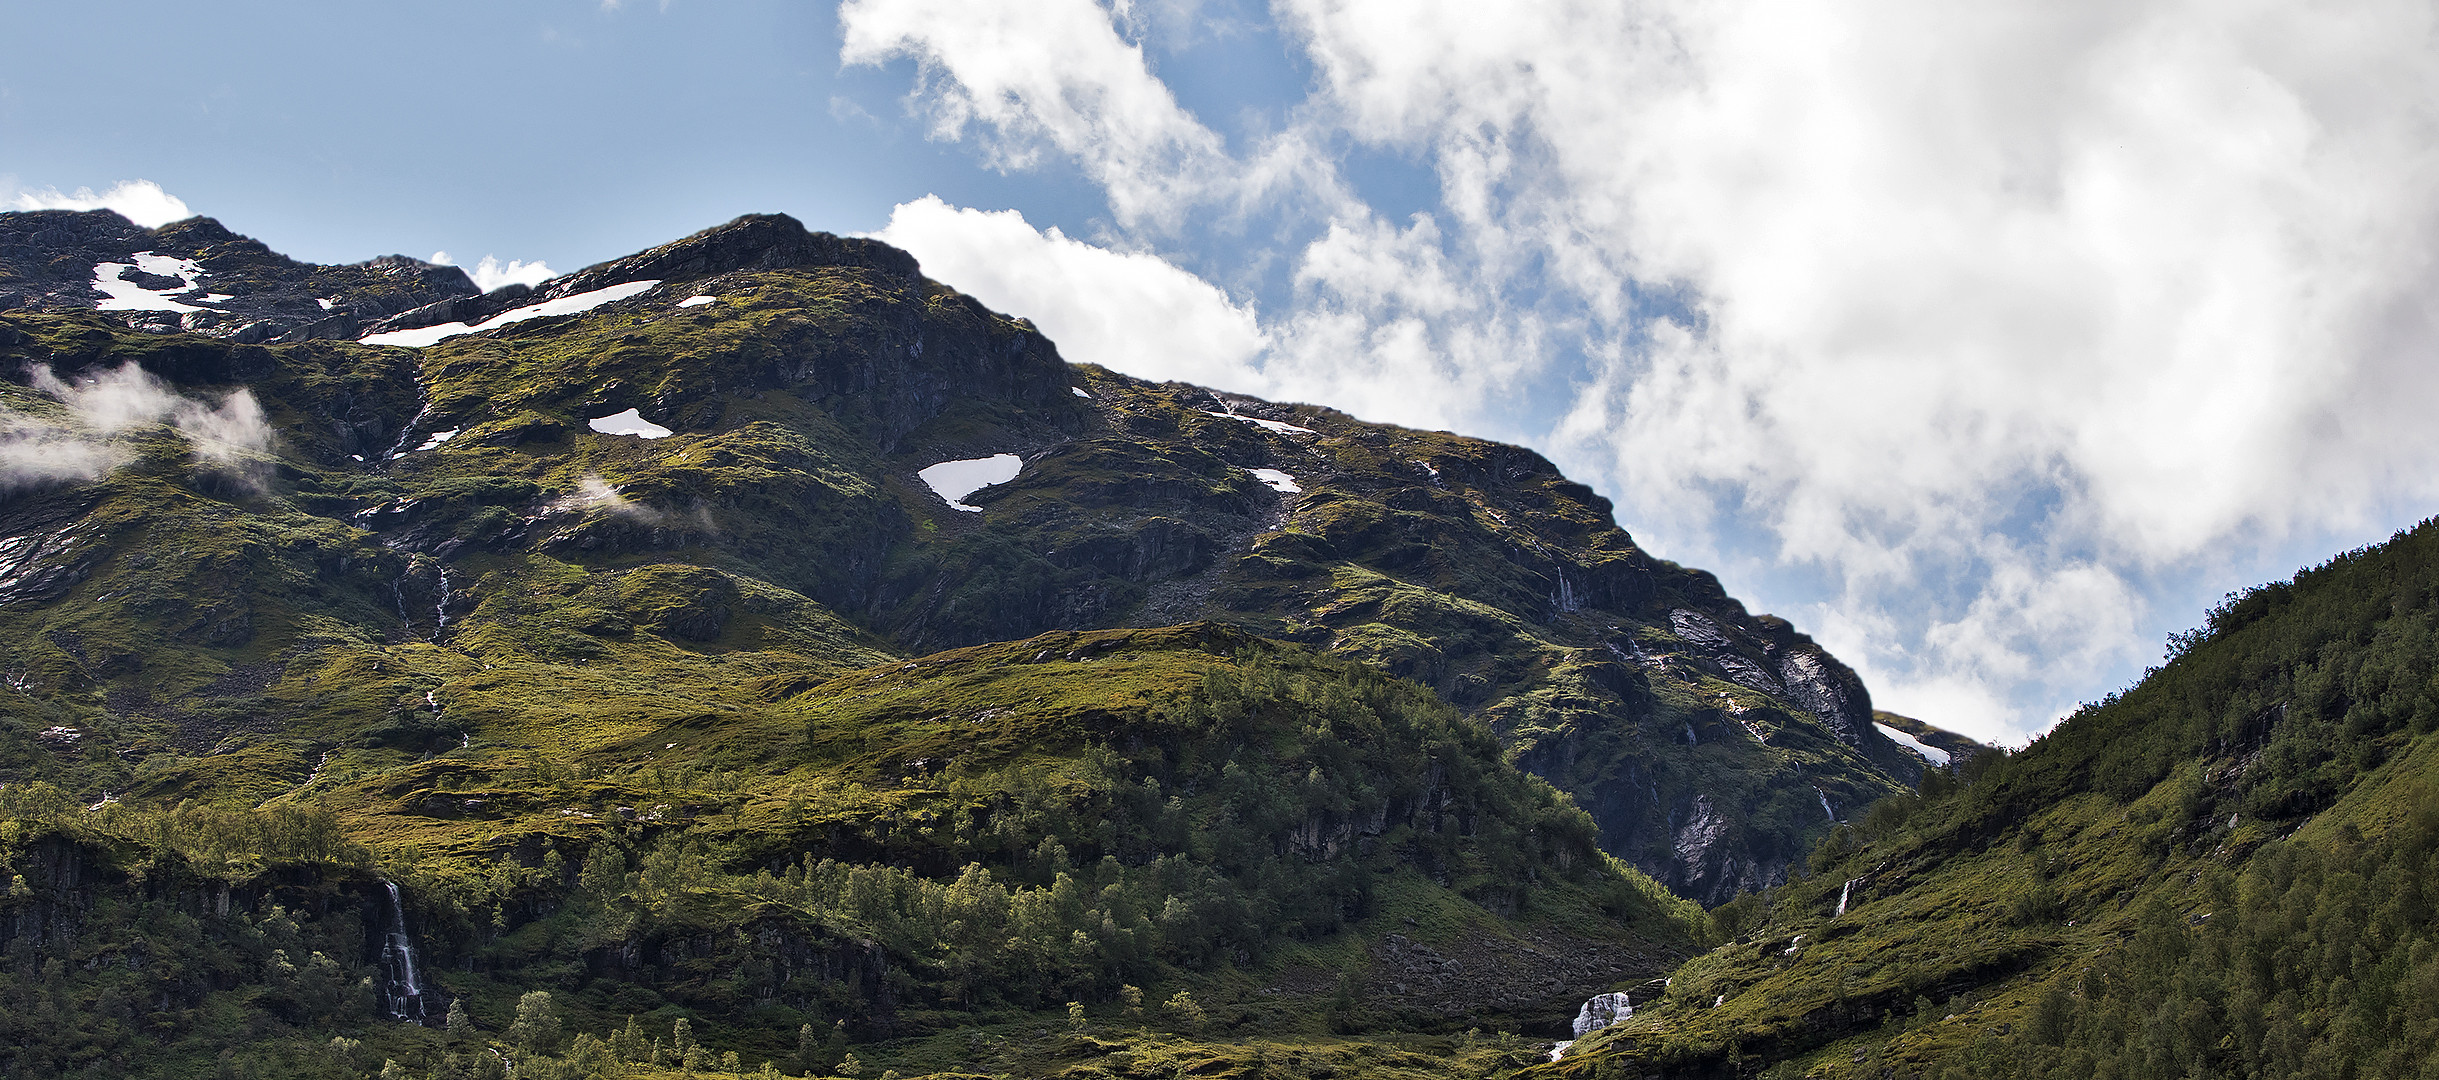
1711 746
626 639
2228 869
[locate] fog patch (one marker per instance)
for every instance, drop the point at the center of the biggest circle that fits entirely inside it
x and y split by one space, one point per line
36 453
595 493
232 434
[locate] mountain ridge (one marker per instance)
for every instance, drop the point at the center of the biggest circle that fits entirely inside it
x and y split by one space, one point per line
1163 562
538 618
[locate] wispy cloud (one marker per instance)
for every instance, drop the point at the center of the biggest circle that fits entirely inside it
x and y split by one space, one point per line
232 433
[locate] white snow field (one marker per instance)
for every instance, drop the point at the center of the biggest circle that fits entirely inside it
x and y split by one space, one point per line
954 480
566 305
1277 480
1930 753
630 422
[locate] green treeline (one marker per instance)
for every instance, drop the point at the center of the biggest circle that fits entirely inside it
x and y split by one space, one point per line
2316 963
1271 800
2324 677
1268 805
2130 896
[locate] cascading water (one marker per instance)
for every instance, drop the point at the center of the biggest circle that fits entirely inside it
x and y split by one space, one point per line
1599 1011
407 432
440 620
399 991
1602 1010
1843 892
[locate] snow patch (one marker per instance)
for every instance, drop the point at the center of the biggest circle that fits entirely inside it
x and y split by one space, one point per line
327 302
129 296
186 270
438 437
566 305
1930 753
630 422
698 301
1273 426
1079 392
954 480
1278 481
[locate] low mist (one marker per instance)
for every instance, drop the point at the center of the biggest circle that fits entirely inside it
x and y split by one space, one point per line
232 433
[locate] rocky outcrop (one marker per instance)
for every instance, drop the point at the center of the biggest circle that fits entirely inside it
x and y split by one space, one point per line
236 288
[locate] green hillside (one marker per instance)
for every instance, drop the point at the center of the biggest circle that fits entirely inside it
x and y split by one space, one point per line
2226 870
939 846
458 495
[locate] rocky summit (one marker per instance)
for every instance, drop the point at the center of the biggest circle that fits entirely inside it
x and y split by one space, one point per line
756 641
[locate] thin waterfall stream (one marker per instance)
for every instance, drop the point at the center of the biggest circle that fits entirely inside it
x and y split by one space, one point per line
400 991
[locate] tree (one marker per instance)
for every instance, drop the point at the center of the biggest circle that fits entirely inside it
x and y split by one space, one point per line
459 1026
1187 1012
605 872
536 1029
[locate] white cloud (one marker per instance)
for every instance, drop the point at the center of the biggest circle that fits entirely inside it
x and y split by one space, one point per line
1053 74
490 273
1978 318
1129 311
139 201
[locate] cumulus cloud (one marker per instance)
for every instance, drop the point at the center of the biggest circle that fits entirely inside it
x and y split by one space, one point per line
1961 327
1055 76
1130 311
139 201
490 273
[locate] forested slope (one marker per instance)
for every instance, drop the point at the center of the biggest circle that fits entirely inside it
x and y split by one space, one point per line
2225 870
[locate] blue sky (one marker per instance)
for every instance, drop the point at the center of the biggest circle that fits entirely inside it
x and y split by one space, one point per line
1989 344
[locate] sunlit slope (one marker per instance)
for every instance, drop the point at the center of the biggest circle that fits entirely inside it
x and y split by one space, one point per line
419 515
968 840
2228 869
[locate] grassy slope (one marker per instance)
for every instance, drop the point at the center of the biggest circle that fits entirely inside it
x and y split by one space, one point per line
2153 841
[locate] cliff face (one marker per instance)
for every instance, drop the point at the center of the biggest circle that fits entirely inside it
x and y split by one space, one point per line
709 458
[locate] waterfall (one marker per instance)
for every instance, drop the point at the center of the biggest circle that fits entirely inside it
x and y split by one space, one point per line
440 620
408 432
1824 797
1843 892
399 990
1601 1011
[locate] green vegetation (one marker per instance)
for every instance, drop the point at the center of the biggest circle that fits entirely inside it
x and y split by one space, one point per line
935 845
664 729
2223 871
